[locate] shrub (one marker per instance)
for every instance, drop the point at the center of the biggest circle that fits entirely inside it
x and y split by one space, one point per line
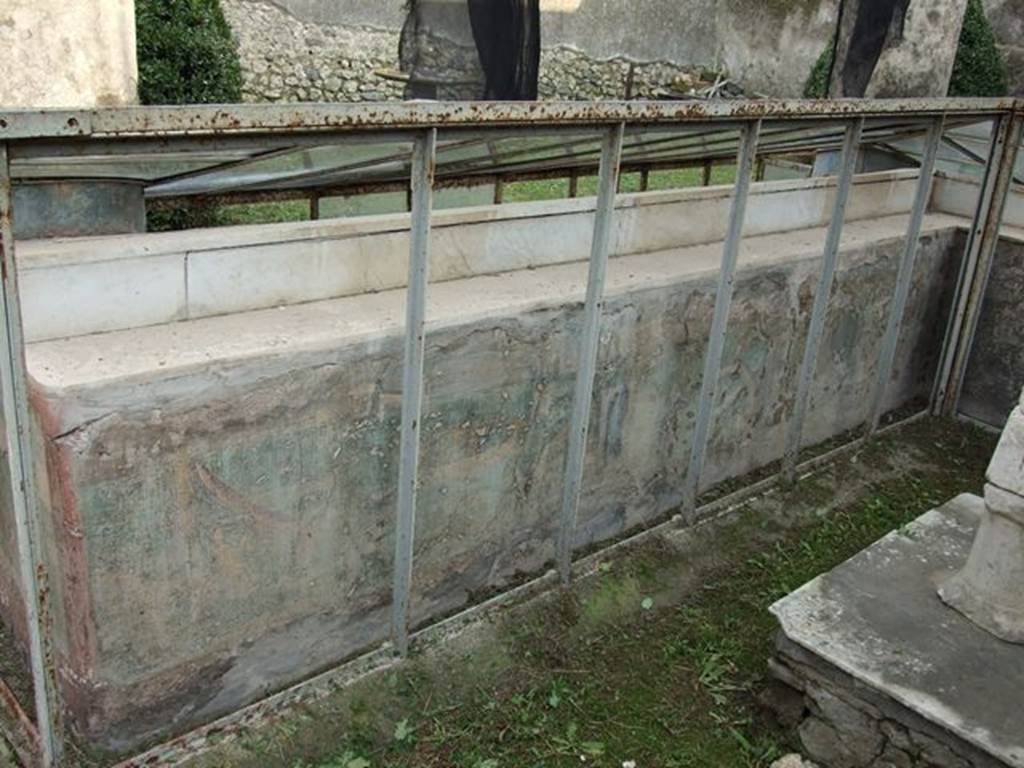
186 53
816 86
979 69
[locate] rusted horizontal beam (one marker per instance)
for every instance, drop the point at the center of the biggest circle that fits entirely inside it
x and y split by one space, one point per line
194 120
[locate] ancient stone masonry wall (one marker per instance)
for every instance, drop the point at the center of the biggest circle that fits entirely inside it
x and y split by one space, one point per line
843 725
285 59
568 73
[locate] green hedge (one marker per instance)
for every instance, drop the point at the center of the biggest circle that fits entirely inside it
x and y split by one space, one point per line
979 69
186 53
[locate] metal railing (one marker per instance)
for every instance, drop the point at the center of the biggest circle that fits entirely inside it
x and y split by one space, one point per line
28 135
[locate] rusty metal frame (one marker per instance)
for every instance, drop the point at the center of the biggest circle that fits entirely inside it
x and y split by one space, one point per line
822 295
28 134
745 161
904 275
25 497
604 218
422 188
284 118
978 260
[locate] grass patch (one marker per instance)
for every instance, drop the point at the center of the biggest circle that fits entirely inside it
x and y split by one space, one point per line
657 658
186 217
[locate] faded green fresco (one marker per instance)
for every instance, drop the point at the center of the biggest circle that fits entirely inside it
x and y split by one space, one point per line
239 538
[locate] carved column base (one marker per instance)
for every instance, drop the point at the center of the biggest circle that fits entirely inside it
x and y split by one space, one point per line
989 590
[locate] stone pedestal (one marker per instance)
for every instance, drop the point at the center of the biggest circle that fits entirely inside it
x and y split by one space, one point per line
989 590
891 676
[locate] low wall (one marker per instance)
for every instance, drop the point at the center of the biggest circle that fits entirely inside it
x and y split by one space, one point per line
130 281
995 370
220 502
222 499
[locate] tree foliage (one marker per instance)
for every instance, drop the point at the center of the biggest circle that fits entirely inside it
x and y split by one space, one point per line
979 69
186 53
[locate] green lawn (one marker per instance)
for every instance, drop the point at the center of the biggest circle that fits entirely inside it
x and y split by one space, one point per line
527 191
514 192
658 658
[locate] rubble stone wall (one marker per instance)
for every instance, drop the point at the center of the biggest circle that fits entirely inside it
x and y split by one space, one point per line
845 725
299 50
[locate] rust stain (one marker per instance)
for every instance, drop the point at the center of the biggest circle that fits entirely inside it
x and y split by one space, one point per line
79 614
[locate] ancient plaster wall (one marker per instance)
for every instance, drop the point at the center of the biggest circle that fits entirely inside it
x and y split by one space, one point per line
67 54
995 373
223 501
888 49
319 50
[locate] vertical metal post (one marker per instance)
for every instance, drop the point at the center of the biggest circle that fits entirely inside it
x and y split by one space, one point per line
645 179
611 157
977 266
968 264
314 206
905 274
574 183
723 302
422 185
24 494
705 175
848 165
499 190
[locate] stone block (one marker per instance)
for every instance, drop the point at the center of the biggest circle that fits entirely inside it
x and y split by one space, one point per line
101 294
784 702
793 761
893 757
857 737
